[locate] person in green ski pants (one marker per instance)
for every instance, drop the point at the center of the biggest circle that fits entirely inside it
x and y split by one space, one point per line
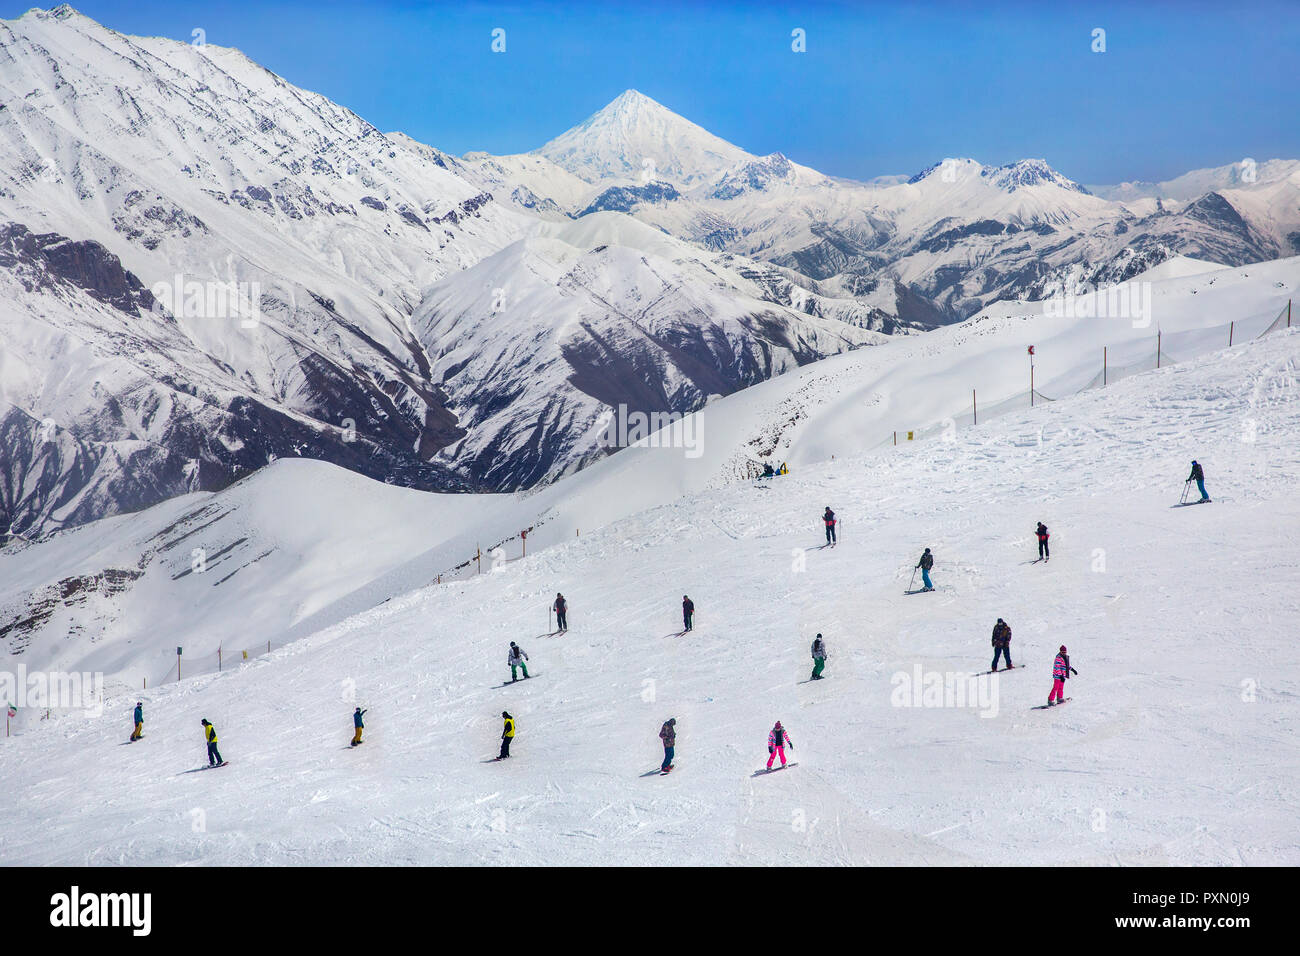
819 657
516 660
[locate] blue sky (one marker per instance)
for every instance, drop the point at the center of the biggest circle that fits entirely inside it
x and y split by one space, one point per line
882 88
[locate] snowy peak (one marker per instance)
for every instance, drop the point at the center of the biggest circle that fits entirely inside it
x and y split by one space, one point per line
1029 172
1018 175
635 137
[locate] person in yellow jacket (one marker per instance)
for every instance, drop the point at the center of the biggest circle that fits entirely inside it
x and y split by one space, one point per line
507 735
210 735
783 470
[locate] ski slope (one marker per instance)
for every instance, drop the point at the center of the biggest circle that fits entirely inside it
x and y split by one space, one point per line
1177 747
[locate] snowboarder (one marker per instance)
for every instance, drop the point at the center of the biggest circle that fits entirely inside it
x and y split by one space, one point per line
768 470
1198 476
829 518
819 657
1061 671
210 735
925 564
668 734
357 725
507 735
561 612
777 741
1044 551
516 660
138 716
1001 644
688 613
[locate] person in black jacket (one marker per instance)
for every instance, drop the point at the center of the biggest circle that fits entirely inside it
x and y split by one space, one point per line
1044 551
561 612
1198 476
925 564
688 613
1001 644
829 519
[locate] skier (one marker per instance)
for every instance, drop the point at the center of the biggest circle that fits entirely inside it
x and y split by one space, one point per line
357 725
819 657
1061 671
1044 551
561 612
1198 476
1001 644
210 735
516 660
777 741
138 716
507 735
688 614
925 564
829 518
668 734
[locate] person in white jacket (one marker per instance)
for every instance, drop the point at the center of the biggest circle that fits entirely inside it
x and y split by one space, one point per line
516 661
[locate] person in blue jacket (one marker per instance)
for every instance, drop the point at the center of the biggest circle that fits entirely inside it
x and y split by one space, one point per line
357 725
139 721
1198 476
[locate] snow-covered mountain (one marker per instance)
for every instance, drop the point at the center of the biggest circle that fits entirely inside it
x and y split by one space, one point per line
932 249
130 164
635 138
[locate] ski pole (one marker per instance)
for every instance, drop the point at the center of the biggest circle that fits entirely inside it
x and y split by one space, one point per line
913 580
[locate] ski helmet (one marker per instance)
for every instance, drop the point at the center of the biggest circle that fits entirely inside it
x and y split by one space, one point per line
1062 648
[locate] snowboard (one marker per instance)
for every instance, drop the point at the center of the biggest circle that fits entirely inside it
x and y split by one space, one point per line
209 767
1050 706
764 771
1014 667
521 680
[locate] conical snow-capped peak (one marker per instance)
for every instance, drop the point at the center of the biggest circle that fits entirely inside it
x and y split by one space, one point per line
634 137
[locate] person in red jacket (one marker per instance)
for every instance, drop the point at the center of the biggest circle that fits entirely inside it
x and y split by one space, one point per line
1043 551
829 518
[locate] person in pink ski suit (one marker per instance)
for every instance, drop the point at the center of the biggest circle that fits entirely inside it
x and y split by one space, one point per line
1061 671
777 740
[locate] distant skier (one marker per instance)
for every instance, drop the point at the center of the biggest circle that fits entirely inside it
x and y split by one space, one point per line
688 613
507 735
668 734
925 564
516 661
357 725
777 741
1198 476
210 735
829 518
819 657
1061 671
138 716
783 470
768 470
1044 551
561 612
1001 644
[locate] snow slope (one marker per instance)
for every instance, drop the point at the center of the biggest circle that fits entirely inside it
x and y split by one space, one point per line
806 417
1177 747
